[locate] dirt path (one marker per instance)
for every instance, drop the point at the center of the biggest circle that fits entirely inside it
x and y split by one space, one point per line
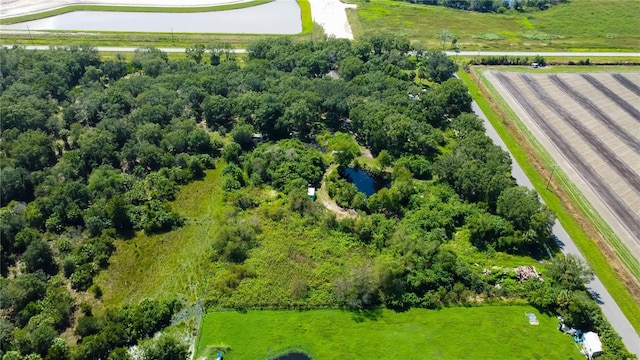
329 203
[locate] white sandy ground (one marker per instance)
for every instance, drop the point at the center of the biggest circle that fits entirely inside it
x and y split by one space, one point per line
330 14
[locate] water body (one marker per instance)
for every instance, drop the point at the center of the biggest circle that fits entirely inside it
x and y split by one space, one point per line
277 17
294 356
363 181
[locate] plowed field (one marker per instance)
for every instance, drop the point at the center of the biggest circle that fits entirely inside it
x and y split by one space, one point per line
590 124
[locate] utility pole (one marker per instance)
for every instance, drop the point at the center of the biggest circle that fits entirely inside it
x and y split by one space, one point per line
30 36
445 36
553 169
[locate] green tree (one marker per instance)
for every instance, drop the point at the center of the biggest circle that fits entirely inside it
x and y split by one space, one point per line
466 123
120 354
384 159
15 184
350 67
343 147
217 110
447 100
39 256
97 147
32 150
166 348
523 208
195 52
59 350
570 271
243 135
436 66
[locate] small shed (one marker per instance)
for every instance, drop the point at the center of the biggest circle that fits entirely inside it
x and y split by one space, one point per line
311 192
592 345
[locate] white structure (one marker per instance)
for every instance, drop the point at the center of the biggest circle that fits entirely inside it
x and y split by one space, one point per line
592 345
311 192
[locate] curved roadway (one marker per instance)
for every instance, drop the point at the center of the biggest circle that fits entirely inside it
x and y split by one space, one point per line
609 307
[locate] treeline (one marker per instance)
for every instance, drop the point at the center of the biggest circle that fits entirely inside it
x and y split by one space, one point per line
509 60
497 6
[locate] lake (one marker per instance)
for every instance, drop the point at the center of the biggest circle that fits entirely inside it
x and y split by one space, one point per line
363 181
277 17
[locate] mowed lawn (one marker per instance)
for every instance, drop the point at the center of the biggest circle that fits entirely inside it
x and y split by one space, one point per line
579 25
489 332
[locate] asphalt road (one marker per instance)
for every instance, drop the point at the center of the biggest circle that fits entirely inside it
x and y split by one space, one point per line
450 53
609 307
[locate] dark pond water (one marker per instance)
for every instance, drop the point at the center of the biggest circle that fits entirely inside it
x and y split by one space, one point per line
363 181
294 356
277 17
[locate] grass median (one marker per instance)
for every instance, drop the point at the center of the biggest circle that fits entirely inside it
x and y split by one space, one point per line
573 210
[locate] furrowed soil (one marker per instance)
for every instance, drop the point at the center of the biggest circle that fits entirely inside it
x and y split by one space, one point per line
596 142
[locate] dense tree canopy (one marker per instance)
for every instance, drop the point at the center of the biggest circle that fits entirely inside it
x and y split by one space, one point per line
93 151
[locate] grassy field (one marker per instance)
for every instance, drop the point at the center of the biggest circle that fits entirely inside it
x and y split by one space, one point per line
581 25
490 332
568 204
293 254
172 263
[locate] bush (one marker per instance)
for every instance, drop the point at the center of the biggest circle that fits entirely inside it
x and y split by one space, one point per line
166 348
82 278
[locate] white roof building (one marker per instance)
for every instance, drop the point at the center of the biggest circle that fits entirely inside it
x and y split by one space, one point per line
592 344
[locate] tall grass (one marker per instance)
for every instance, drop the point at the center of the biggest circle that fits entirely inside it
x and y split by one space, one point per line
592 25
170 264
305 14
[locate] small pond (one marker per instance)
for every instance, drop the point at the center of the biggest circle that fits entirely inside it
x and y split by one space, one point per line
277 17
294 356
363 181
